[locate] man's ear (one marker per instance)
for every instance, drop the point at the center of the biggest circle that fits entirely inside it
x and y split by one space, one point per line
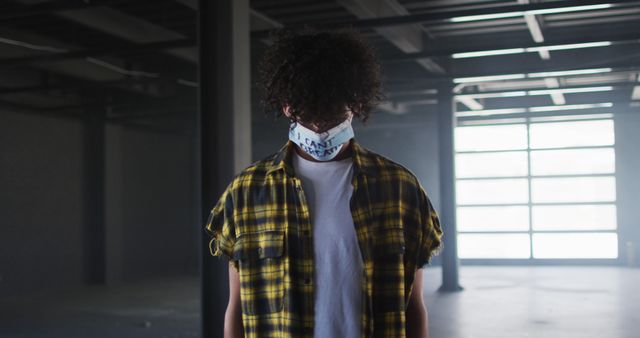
285 110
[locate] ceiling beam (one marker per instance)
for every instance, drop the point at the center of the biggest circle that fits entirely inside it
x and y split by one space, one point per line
89 78
193 4
49 7
19 107
157 105
534 27
258 20
633 38
471 103
72 84
528 108
468 101
392 107
566 89
96 15
608 110
408 39
129 28
534 24
453 16
557 97
124 49
421 83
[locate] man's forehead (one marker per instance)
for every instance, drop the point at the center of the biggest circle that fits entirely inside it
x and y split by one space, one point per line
324 125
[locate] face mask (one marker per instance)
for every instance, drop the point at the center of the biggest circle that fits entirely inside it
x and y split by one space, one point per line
321 146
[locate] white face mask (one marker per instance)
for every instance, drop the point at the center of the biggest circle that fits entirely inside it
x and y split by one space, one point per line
321 146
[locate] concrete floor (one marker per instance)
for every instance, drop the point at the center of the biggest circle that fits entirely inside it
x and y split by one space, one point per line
563 302
556 301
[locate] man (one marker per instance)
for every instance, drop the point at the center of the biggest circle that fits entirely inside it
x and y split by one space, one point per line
325 238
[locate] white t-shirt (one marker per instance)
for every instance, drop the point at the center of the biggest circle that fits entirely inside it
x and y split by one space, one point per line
338 263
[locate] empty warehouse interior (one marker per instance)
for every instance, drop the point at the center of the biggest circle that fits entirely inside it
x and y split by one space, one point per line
122 122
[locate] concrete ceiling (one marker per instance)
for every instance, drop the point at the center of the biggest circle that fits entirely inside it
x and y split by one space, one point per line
146 50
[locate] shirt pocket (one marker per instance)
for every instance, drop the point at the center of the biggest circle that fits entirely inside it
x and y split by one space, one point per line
388 256
260 258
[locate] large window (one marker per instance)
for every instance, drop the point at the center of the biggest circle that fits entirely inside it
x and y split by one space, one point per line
536 190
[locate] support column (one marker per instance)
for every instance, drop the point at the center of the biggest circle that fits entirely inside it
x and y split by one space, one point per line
93 230
627 123
446 125
223 126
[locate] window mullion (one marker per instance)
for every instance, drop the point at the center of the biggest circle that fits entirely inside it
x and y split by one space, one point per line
529 204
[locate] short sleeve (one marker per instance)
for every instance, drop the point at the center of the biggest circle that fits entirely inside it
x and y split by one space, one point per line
221 229
431 234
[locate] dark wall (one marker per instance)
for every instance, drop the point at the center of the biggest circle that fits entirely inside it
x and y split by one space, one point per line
151 227
40 202
411 140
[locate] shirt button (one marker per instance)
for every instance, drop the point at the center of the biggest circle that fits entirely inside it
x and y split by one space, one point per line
260 250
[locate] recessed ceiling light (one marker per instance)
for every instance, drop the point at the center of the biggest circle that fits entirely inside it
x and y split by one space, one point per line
570 72
570 90
567 9
492 95
486 16
489 78
543 11
533 109
508 51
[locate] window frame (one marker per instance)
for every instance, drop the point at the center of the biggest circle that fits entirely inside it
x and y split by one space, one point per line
528 122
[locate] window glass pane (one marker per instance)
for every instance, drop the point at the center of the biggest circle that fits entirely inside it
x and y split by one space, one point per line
504 137
493 245
572 134
510 218
573 161
573 189
574 217
491 164
578 245
566 218
489 191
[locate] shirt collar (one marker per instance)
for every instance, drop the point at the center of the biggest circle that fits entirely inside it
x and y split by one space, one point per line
363 159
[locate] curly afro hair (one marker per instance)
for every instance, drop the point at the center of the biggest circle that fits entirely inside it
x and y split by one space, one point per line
320 76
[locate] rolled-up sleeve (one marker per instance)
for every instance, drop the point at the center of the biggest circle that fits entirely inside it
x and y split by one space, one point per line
431 239
220 227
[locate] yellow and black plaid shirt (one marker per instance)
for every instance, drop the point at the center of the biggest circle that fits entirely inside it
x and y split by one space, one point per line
261 223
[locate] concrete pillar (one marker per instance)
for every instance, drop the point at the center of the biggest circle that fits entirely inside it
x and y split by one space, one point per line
224 127
446 125
93 203
627 124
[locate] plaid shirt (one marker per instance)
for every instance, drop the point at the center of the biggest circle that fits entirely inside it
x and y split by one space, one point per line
261 224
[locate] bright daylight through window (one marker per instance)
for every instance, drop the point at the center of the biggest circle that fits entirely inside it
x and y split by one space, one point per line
540 189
